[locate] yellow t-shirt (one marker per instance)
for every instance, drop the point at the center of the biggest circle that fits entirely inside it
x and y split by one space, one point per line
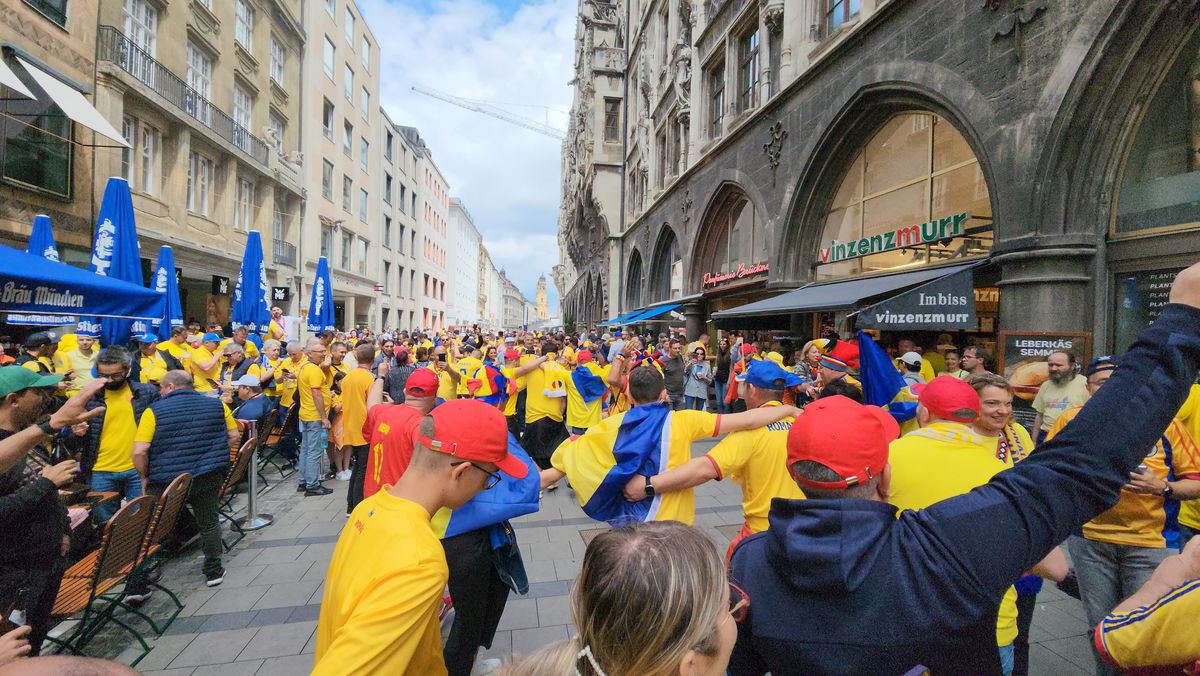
581 413
1150 636
36 365
537 404
1140 519
200 377
249 348
355 387
595 449
81 364
287 391
510 404
275 331
379 612
467 367
115 453
153 368
447 390
941 461
1189 416
311 376
273 389
148 423
756 460
1052 400
181 352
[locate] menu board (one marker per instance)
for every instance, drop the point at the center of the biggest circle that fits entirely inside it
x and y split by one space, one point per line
1022 361
1140 298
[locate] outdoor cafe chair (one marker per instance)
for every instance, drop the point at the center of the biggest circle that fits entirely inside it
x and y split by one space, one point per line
80 596
275 438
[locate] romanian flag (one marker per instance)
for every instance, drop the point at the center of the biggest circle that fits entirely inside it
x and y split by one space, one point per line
882 384
506 500
493 387
589 382
601 462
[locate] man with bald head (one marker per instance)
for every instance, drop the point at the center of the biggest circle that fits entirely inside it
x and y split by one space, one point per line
313 389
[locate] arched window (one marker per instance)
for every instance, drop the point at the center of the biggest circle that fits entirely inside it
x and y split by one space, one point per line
1160 186
738 234
666 270
633 285
914 195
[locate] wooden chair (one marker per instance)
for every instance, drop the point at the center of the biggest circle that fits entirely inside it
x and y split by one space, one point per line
170 505
277 435
237 472
84 583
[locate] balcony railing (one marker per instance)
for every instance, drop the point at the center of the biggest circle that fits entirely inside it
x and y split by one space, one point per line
114 47
283 253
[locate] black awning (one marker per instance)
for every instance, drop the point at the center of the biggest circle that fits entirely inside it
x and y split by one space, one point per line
945 303
838 295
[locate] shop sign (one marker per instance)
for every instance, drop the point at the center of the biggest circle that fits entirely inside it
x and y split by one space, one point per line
220 285
715 279
945 303
1140 299
281 294
900 238
1022 360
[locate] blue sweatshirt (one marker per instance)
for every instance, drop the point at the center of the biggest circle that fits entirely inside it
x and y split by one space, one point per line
844 587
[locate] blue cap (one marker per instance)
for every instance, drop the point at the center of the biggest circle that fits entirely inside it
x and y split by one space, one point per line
214 337
147 338
1103 363
769 375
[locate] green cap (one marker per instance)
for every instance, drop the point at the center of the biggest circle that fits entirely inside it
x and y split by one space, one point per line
17 378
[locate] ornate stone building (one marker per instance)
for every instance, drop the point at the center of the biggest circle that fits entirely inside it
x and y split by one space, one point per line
589 216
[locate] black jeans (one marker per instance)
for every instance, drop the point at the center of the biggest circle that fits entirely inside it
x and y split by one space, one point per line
1026 604
203 501
34 591
479 596
520 413
358 473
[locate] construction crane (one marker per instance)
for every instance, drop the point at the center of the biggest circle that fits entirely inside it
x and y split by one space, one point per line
493 111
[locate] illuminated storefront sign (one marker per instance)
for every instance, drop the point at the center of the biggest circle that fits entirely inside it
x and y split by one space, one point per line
715 279
900 238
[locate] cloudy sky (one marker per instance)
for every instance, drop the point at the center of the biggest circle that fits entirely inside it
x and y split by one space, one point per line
514 53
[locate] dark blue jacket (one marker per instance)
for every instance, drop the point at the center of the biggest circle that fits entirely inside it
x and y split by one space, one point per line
189 436
254 409
844 587
89 445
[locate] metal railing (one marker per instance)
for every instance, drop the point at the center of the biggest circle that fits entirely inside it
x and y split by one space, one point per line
283 253
114 47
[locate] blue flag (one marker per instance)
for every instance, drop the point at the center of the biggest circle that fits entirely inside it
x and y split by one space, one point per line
590 385
881 382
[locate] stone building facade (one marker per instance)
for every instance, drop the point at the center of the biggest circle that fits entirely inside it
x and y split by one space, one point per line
1063 134
397 184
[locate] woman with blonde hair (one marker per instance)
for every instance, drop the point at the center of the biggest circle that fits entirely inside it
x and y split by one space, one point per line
651 599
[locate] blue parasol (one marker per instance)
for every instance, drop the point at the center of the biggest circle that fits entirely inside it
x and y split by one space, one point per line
320 308
167 284
115 251
41 243
250 307
35 285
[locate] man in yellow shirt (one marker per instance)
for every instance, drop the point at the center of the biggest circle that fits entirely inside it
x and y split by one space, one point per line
77 361
313 390
468 366
152 366
206 365
756 459
276 329
355 387
545 402
1065 389
448 376
177 347
586 387
388 571
1120 549
38 354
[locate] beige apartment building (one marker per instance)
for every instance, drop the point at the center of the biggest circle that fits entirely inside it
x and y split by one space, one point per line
46 159
433 238
208 94
343 220
398 253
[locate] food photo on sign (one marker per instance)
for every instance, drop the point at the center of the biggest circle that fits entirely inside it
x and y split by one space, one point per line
1023 361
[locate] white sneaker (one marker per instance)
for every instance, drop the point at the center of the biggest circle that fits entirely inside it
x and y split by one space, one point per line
486 667
343 475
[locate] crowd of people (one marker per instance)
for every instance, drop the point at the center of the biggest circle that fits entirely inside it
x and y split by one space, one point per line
862 550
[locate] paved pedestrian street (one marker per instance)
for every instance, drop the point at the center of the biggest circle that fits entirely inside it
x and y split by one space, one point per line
262 620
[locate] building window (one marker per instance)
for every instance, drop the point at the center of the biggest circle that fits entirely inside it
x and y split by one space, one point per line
660 147
327 180
348 27
327 114
128 130
348 82
243 24
149 151
387 232
388 140
716 99
364 149
329 57
403 196
748 71
347 249
904 196
612 120
278 55
387 189
364 53
141 27
243 106
243 204
387 281
837 13
412 284
277 229
364 103
55 10
277 129
347 192
400 283
348 139
362 255
199 184
330 7
326 241
400 243
199 79
362 205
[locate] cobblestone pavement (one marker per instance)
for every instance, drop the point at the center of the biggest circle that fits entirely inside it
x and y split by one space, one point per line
263 618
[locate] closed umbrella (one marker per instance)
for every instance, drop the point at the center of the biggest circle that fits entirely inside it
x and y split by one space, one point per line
167 284
41 243
115 251
250 307
320 307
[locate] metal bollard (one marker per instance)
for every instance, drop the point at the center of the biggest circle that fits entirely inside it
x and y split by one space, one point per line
253 520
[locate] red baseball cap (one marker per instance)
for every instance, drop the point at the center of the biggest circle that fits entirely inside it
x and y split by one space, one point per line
747 349
511 354
583 357
421 383
843 435
948 398
472 430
